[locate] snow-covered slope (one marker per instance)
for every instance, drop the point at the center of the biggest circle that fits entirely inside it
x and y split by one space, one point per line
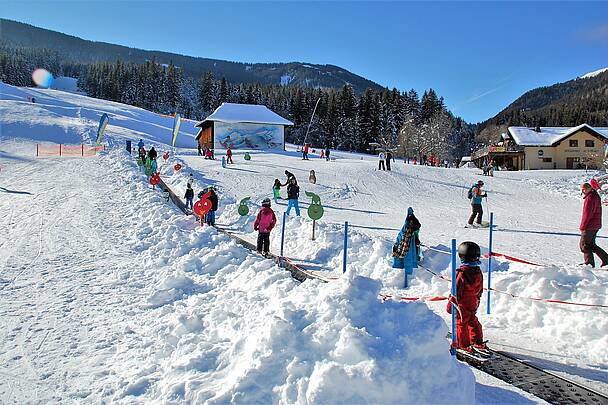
166 311
594 73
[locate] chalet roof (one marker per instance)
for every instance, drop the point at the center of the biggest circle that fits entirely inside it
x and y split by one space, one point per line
251 113
549 136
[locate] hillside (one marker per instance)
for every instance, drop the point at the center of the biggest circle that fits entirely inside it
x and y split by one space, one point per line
582 100
135 302
81 51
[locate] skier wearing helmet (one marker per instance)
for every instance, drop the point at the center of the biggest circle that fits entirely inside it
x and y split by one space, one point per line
469 286
475 195
264 222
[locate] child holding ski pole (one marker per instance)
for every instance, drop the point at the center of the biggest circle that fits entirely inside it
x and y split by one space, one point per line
276 190
469 286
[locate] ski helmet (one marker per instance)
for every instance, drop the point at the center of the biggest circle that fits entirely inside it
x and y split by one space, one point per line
266 202
469 251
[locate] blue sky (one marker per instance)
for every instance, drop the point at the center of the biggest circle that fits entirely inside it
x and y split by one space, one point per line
479 56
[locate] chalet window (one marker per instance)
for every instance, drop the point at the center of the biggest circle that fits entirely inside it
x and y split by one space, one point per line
589 143
548 160
574 143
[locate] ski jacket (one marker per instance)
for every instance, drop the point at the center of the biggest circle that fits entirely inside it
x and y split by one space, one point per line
477 196
592 212
290 176
265 220
381 156
152 154
305 148
469 286
140 144
327 152
293 192
189 193
214 201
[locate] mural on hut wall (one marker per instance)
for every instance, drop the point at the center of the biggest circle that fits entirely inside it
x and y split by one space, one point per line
248 136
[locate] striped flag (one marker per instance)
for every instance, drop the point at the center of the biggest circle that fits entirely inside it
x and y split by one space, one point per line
103 123
176 123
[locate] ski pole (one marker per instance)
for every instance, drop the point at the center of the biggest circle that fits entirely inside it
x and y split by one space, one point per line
453 348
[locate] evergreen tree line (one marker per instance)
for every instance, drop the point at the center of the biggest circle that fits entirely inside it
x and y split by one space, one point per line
408 124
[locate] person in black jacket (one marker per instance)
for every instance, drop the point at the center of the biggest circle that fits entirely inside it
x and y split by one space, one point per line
189 195
152 154
210 218
293 192
290 176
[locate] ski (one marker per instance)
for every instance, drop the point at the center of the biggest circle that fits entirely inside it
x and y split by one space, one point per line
471 357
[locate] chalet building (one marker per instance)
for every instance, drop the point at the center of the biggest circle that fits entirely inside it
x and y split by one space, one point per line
526 148
242 126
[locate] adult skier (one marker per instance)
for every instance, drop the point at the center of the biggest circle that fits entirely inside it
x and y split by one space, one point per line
327 151
402 245
381 158
293 192
591 223
476 195
264 222
469 286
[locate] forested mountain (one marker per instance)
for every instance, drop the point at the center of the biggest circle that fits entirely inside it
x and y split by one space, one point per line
74 50
578 101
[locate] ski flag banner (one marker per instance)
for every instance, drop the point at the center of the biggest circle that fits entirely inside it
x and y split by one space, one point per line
176 123
103 123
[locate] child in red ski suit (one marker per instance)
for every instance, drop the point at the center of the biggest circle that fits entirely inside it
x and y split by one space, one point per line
469 286
264 222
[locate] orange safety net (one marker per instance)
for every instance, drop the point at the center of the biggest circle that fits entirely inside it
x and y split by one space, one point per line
46 150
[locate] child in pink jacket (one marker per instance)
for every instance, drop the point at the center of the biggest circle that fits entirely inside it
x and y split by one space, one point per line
264 222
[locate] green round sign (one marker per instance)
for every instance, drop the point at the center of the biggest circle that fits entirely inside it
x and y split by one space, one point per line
315 211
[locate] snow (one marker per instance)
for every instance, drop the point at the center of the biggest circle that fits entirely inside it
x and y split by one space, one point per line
593 74
252 113
286 79
548 136
64 83
109 294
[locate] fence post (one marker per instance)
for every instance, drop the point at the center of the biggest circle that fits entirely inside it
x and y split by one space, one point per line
282 237
36 150
490 260
82 148
345 246
453 348
59 149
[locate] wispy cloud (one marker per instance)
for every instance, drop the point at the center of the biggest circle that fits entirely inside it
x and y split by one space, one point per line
596 34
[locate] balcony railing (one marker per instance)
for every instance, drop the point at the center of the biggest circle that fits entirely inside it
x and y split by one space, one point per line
495 149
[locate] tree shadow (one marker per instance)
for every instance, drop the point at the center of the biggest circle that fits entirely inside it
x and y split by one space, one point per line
6 190
6 155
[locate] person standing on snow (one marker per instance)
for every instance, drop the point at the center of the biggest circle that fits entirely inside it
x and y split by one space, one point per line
381 158
389 156
189 196
475 194
591 223
229 155
305 152
327 151
469 286
402 244
264 222
152 154
293 192
140 145
210 217
276 190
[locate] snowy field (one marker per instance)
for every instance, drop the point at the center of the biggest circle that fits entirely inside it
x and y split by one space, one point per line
108 293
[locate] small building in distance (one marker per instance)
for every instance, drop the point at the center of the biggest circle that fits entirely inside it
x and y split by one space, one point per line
526 148
242 126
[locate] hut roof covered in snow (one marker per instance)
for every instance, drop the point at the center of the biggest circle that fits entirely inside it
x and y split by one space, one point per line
252 113
549 136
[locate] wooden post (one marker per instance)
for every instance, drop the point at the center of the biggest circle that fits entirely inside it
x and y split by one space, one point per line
36 150
82 148
59 149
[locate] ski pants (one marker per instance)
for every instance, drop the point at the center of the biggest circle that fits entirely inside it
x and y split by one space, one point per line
293 203
263 242
381 165
210 218
468 328
229 160
388 164
189 202
588 247
477 212
276 194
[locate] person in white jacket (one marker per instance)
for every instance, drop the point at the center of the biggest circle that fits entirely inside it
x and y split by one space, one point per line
381 161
